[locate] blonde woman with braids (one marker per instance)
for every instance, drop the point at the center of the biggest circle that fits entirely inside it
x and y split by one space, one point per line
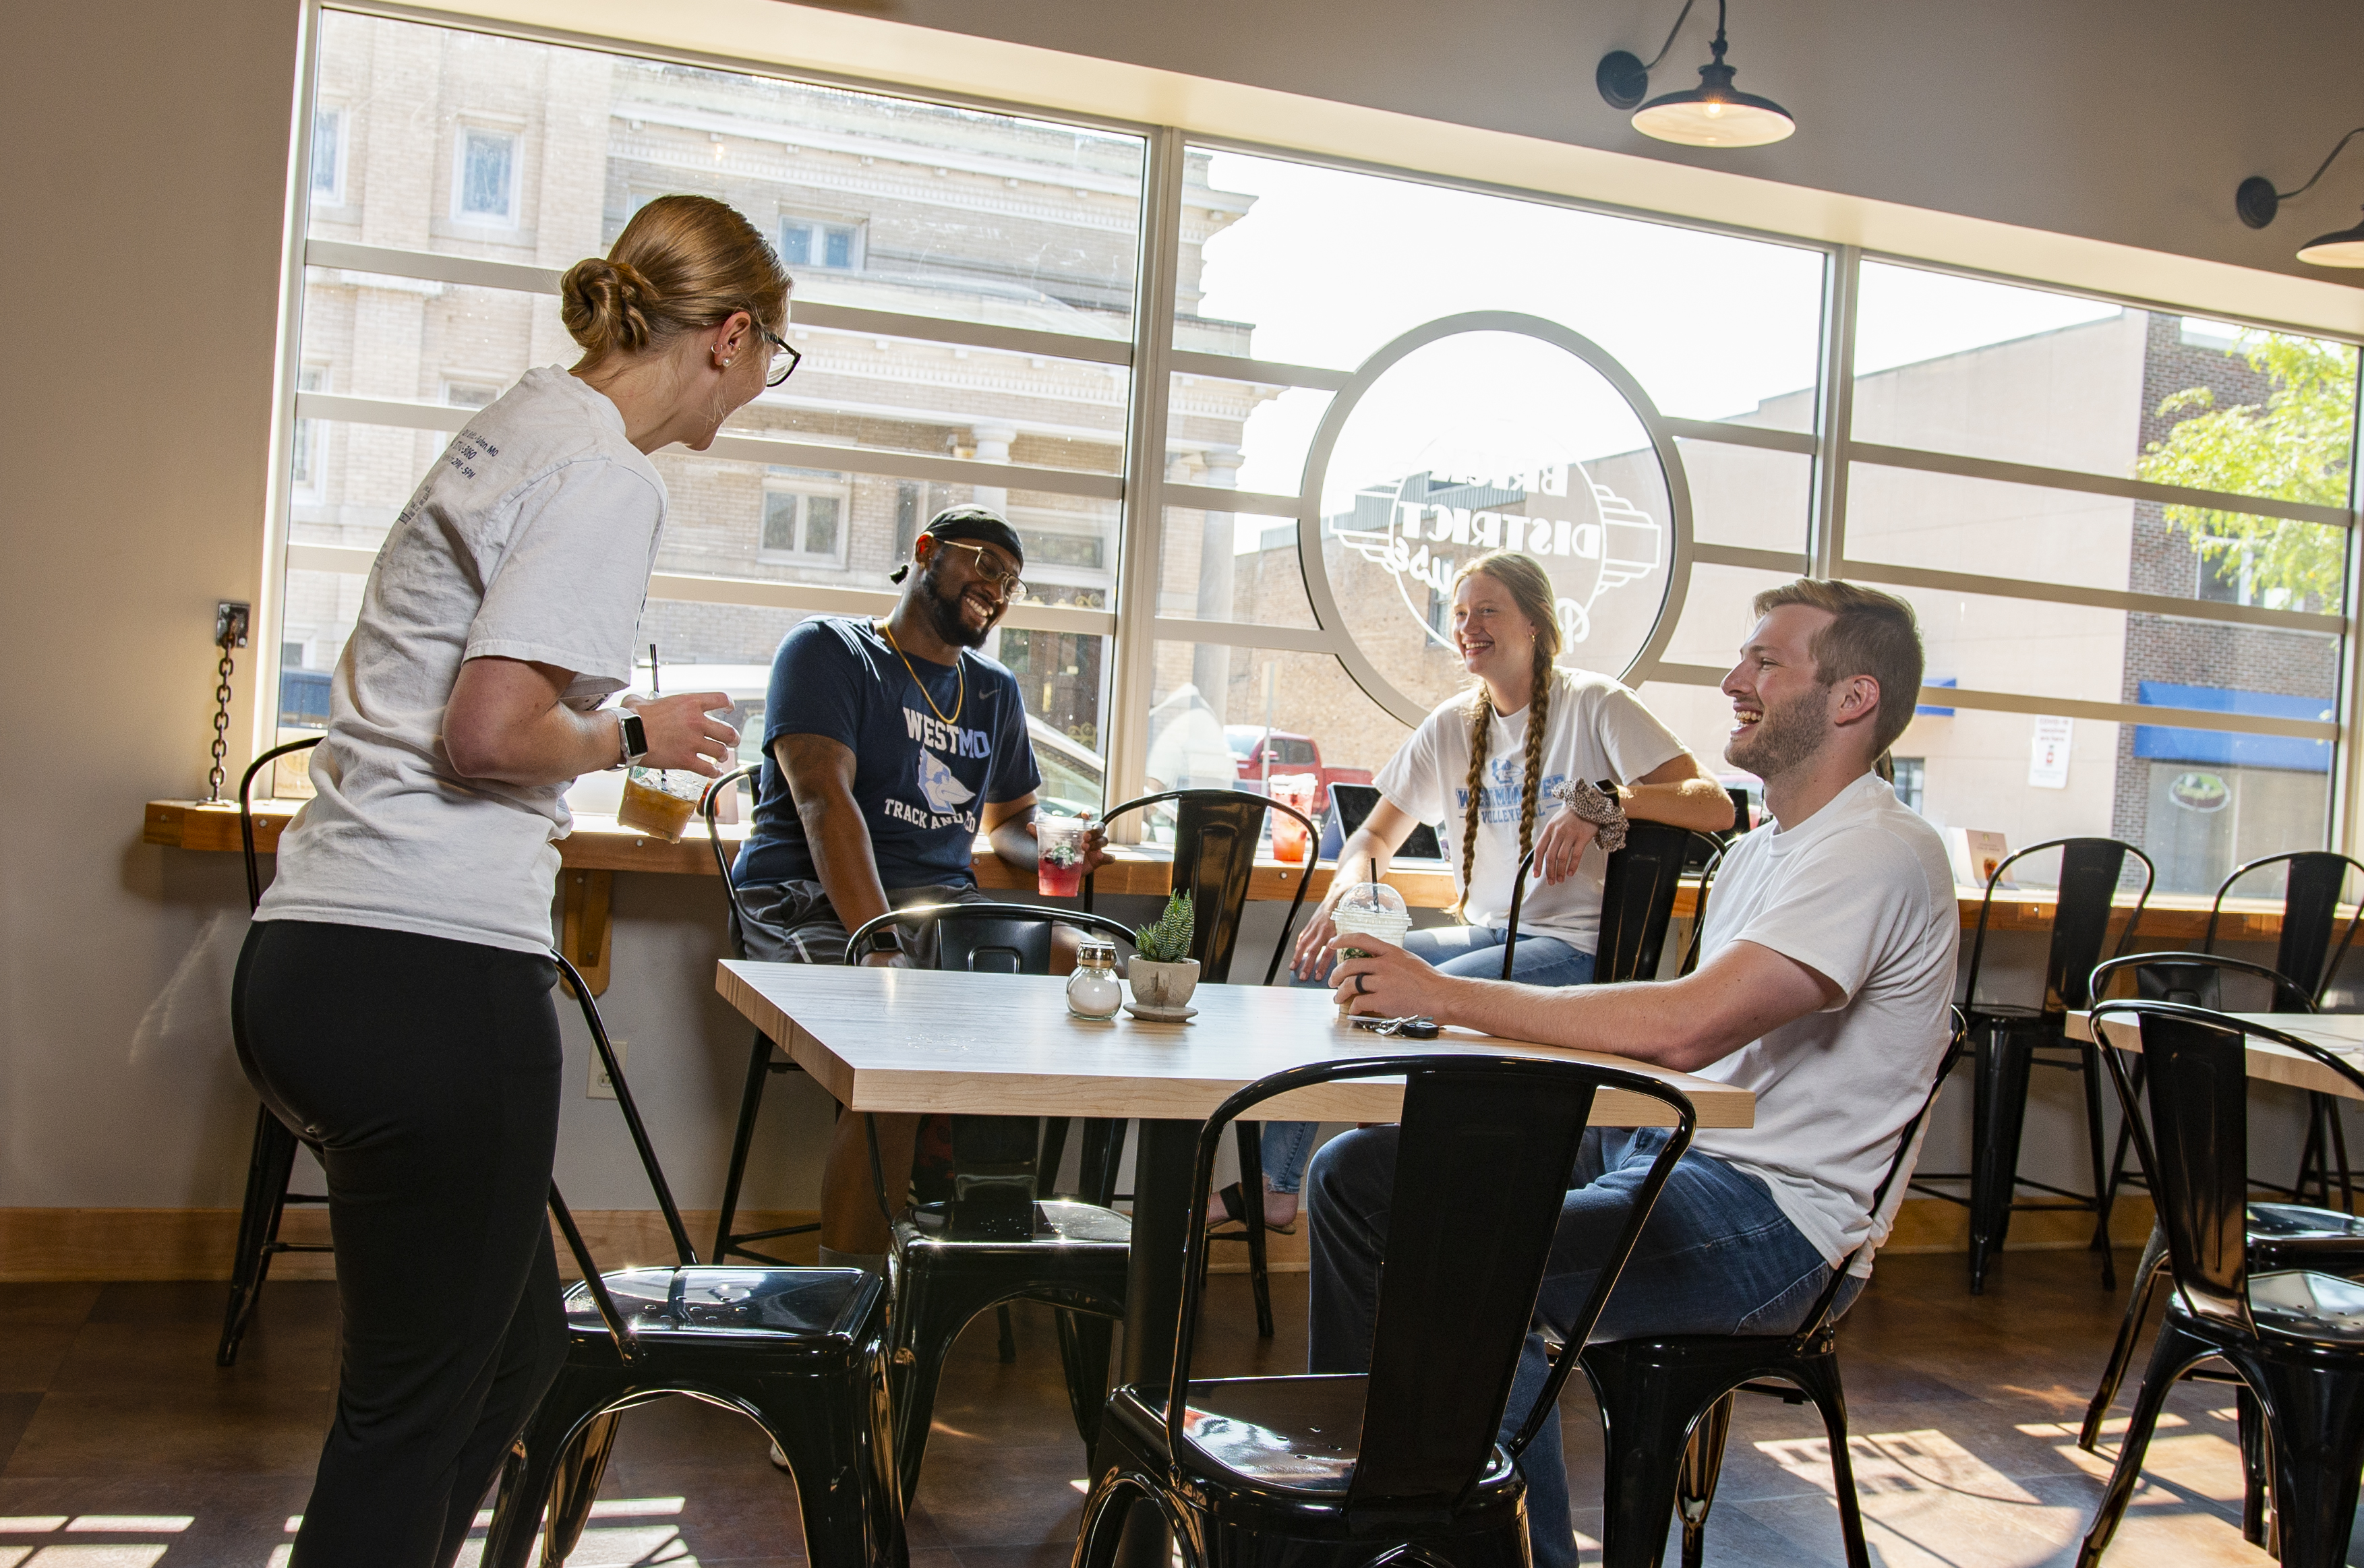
393 1003
1486 764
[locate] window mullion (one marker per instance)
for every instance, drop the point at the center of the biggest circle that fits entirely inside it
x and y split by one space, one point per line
1133 666
2346 806
1834 413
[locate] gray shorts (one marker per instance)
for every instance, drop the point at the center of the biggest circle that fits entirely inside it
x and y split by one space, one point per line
792 922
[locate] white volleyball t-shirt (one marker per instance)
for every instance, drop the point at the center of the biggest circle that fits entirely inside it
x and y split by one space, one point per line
1595 729
531 539
1862 894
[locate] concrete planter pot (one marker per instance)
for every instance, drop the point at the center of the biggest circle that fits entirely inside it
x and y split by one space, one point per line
1163 984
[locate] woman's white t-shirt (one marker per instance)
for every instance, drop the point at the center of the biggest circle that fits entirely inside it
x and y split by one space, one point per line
532 539
1595 729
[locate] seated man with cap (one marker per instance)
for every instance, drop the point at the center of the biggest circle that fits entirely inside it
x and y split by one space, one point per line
889 746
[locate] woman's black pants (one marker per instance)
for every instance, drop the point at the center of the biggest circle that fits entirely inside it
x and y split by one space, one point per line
425 1073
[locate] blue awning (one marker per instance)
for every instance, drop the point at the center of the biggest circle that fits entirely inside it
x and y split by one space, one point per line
2225 748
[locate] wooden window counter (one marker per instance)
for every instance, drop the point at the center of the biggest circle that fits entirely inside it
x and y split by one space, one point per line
598 848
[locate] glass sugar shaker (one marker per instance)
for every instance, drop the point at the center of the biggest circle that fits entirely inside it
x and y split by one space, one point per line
1093 991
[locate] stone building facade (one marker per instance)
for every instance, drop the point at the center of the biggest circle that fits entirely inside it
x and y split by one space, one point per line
464 144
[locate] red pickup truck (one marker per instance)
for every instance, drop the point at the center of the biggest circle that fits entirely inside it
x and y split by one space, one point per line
1291 754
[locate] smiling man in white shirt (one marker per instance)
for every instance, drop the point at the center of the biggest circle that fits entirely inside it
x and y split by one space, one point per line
1826 971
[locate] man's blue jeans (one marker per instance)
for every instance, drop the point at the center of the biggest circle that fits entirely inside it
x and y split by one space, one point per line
1717 1257
1456 950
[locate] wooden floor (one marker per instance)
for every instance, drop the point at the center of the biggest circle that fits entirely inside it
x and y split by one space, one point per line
120 1444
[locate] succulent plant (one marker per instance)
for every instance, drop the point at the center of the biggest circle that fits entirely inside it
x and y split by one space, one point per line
1168 941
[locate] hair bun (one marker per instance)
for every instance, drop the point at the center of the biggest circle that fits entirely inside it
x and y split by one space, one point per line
604 305
681 263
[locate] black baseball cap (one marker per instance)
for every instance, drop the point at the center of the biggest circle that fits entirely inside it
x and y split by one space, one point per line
982 524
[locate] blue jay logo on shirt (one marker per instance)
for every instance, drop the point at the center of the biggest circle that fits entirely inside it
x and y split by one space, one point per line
1505 793
941 791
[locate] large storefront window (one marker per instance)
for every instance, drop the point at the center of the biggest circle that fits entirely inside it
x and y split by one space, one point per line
2126 531
1428 373
964 297
2011 441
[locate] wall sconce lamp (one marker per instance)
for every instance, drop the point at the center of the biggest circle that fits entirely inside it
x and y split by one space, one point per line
1713 114
2256 201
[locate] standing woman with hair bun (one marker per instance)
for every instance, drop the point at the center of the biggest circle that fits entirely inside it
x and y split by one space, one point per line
393 1002
1484 764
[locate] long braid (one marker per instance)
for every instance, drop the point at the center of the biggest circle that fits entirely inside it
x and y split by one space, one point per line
1481 738
1531 588
1538 713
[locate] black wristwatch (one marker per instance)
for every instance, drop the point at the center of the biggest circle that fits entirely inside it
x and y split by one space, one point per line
635 736
885 939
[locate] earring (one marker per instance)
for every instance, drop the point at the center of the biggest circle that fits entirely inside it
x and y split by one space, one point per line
722 364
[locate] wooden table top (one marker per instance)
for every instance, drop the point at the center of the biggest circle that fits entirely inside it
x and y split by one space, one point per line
2270 1061
914 1039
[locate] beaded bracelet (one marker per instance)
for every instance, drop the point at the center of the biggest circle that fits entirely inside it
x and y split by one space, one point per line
1597 806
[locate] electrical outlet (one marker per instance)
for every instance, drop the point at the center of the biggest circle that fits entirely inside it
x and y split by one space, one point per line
603 1087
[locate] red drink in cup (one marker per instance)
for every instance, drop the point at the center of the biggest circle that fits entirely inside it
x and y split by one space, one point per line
1288 837
1059 860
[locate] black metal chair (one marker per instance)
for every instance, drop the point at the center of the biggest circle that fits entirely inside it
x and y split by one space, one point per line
1708 869
2280 1236
1665 1402
800 1352
1399 1464
1000 1236
2294 1337
2012 1038
1215 836
1637 900
763 1057
2310 911
271 1161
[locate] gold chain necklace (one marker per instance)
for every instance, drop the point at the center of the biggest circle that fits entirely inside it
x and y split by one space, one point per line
959 700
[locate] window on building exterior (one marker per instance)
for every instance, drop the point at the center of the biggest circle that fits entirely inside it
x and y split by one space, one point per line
1911 772
329 157
469 394
802 522
484 182
812 242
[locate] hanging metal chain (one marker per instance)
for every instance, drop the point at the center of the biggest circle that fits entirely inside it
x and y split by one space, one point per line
230 632
214 774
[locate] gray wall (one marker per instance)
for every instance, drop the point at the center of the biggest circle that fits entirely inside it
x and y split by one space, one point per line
144 185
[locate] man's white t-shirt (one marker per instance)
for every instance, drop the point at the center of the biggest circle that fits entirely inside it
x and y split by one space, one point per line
532 539
1595 729
1862 894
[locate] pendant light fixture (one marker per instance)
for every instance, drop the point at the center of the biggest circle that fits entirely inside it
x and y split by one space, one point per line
2256 201
1713 114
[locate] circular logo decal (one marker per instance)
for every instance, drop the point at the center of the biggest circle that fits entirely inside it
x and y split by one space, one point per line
1482 432
2200 792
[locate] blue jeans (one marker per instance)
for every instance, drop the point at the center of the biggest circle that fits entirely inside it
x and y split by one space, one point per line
1456 950
1716 1257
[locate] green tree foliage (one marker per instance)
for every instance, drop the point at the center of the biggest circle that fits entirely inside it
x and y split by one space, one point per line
2293 447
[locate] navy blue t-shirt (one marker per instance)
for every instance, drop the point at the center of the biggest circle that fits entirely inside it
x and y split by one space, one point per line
919 780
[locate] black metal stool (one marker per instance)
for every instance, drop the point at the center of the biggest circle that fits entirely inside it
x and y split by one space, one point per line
801 1353
2010 1037
270 1161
